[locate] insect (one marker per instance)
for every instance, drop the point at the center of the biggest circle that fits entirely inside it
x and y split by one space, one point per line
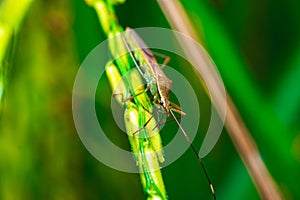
158 83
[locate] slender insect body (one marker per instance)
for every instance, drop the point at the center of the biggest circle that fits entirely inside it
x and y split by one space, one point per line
158 83
163 86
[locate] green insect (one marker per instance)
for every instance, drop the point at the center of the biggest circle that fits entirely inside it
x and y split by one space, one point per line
158 83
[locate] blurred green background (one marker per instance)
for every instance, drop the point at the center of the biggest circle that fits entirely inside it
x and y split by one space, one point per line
256 47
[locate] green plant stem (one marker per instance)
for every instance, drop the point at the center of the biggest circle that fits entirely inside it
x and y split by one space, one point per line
36 117
12 13
151 178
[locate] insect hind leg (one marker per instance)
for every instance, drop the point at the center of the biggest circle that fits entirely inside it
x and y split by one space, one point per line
165 57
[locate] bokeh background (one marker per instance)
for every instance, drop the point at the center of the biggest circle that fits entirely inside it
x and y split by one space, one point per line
256 47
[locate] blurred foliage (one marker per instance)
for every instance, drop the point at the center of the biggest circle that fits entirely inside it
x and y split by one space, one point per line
256 48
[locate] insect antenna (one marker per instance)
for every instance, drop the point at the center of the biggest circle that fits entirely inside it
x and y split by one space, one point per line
130 53
196 154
